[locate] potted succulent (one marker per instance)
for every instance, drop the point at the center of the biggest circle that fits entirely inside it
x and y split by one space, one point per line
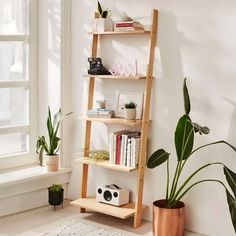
103 23
55 195
51 147
168 214
130 110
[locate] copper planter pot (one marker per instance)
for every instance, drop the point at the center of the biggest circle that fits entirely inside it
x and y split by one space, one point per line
168 222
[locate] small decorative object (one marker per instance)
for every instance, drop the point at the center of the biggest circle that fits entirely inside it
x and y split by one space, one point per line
51 147
96 67
103 23
112 194
126 97
56 195
99 155
130 110
101 104
126 69
168 214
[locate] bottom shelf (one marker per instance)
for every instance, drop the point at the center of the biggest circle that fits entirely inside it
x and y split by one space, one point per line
122 212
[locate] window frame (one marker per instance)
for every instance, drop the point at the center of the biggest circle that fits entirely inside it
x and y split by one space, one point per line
20 159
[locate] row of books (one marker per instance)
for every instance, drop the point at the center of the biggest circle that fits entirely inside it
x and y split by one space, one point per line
127 26
124 148
100 113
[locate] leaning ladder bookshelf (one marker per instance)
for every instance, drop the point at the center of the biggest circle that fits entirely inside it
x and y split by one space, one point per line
131 209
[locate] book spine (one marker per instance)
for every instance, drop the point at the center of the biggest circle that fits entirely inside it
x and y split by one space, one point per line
125 150
129 152
124 24
111 148
137 151
118 143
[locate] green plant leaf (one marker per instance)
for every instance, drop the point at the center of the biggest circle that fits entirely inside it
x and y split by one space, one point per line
105 14
232 208
187 104
231 179
184 138
100 11
49 123
200 129
157 158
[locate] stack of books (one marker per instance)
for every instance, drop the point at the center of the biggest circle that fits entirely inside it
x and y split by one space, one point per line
127 26
124 148
100 113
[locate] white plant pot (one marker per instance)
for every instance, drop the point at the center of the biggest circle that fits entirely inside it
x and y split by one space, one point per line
52 162
130 114
102 24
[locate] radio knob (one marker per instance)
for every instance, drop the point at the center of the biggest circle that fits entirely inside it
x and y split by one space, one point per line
99 191
115 194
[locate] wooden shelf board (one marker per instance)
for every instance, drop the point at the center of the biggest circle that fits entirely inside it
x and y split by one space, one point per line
121 77
122 32
116 120
122 212
105 164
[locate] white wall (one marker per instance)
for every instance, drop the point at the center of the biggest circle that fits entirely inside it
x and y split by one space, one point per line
197 39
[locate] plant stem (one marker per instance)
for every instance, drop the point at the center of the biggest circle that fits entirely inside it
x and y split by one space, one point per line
173 182
201 181
168 180
192 175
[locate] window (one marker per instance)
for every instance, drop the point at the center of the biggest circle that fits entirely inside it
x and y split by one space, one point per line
18 77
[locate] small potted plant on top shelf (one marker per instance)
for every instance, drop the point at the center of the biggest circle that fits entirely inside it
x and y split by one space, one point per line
55 195
130 110
52 146
103 23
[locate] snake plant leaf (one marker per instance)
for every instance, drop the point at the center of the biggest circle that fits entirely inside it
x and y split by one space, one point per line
200 129
100 11
157 158
231 179
49 123
105 14
232 208
184 138
187 104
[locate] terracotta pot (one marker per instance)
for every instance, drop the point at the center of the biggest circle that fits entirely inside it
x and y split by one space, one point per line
130 114
52 163
168 222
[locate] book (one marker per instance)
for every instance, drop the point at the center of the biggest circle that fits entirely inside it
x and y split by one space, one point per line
135 150
118 142
100 113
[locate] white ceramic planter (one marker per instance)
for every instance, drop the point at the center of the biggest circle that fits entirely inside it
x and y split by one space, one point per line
52 163
102 24
130 114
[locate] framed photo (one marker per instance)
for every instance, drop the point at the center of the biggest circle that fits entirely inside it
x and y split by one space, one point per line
126 97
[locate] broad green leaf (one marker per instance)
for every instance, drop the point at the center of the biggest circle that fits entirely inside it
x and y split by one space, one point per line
157 158
187 104
184 138
99 8
231 179
105 14
200 129
232 208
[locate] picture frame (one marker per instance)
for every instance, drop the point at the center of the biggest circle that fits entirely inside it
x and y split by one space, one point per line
125 97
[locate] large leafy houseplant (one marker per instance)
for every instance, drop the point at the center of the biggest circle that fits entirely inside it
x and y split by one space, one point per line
184 144
50 146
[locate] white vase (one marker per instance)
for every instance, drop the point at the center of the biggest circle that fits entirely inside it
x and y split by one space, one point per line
102 25
130 114
52 162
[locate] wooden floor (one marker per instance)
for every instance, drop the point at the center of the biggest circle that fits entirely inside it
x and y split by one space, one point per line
38 221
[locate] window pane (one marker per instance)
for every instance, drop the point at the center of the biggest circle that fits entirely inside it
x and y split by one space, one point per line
13 16
13 143
13 61
13 106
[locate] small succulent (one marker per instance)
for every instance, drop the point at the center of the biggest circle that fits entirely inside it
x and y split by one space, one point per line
130 105
102 14
55 188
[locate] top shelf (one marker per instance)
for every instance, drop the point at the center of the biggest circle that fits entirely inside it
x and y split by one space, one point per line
121 32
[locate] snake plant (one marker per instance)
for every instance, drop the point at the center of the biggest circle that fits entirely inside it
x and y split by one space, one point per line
184 143
51 146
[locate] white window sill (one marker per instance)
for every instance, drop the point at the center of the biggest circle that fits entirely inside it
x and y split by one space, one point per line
27 173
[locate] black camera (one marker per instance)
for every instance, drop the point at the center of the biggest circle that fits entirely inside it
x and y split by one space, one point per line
96 67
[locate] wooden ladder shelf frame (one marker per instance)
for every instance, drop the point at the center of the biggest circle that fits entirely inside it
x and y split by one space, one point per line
145 121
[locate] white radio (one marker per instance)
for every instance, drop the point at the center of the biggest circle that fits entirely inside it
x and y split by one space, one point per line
112 194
